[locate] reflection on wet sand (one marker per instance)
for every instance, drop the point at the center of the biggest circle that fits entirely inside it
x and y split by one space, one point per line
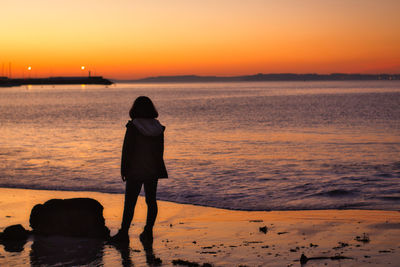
73 251
125 250
66 251
14 246
151 259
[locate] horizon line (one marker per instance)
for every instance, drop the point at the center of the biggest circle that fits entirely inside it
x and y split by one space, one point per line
209 76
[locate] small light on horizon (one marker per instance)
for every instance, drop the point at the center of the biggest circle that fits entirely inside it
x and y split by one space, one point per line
29 68
83 67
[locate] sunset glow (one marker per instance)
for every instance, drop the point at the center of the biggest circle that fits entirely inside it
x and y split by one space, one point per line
134 39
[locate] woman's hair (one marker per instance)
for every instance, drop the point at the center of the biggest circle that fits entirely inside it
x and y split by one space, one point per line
143 107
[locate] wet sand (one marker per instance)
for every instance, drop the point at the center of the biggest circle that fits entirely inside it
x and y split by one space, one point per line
208 235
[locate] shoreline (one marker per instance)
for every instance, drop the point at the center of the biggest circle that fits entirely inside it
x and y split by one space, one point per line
197 205
227 237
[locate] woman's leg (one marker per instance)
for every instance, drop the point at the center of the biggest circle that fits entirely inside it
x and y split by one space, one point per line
150 190
131 194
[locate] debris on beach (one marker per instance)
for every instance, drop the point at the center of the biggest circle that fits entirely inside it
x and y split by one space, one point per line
304 259
313 245
282 233
190 263
246 243
263 229
341 245
364 238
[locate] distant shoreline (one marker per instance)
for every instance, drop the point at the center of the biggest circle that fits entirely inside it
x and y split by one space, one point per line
273 77
6 82
264 77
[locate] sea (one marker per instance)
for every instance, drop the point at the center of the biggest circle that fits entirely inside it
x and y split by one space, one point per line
244 146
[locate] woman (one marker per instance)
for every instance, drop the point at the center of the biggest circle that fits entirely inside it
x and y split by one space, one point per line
142 163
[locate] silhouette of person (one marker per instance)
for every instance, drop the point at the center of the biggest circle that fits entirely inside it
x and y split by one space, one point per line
142 163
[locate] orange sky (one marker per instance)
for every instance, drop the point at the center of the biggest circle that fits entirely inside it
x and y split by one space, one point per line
139 38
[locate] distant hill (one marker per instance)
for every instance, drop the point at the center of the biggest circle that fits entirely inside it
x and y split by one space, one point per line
266 77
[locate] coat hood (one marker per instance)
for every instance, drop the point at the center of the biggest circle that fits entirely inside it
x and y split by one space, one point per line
148 127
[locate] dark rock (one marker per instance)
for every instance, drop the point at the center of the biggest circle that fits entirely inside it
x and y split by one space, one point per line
263 229
78 217
14 232
14 238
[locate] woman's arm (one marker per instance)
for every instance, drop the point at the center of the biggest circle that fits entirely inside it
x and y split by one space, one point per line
125 153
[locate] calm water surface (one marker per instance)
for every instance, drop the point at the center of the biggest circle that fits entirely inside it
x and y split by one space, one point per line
252 146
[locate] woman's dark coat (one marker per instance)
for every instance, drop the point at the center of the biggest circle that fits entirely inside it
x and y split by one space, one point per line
142 155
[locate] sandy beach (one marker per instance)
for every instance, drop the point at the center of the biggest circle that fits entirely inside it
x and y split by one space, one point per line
208 235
